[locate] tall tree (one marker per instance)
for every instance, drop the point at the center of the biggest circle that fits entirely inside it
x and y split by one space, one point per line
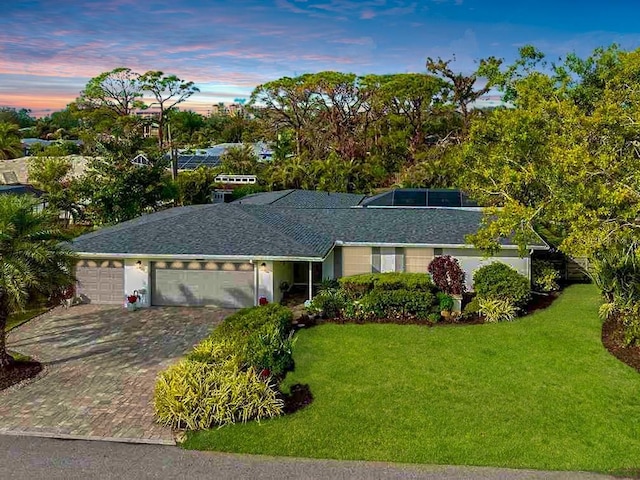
462 87
285 103
167 92
114 190
32 258
10 143
562 160
22 117
118 91
52 175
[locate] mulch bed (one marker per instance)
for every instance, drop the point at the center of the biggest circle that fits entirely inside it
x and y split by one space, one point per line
540 301
18 371
612 339
299 397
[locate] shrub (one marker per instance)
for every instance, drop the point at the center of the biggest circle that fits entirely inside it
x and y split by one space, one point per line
499 281
196 395
356 286
329 303
545 276
447 275
434 317
403 281
400 304
472 308
271 349
497 310
256 337
445 302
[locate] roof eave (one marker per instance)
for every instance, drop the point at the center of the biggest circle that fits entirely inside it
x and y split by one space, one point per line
245 258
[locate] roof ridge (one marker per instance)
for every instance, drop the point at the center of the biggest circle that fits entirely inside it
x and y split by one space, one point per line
271 228
291 190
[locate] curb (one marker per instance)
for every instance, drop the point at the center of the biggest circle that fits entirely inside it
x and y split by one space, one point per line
65 436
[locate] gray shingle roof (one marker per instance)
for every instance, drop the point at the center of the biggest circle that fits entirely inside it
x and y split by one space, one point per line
220 229
252 230
303 199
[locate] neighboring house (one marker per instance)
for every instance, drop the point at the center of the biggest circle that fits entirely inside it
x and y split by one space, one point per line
212 156
231 254
17 170
22 189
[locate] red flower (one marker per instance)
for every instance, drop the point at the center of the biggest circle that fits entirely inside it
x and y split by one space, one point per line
263 301
132 298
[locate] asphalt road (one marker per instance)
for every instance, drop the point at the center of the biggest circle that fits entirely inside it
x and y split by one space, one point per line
43 458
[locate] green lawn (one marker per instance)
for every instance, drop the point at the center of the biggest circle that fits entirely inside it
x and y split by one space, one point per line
22 317
541 392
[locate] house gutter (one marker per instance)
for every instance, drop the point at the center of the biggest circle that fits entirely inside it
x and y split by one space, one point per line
192 257
430 245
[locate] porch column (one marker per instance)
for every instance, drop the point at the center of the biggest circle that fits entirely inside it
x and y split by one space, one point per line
256 283
310 281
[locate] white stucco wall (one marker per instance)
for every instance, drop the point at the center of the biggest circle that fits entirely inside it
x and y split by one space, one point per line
471 260
327 267
265 280
282 272
137 277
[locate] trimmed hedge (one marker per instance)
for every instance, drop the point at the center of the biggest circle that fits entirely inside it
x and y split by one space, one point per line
357 286
399 304
228 376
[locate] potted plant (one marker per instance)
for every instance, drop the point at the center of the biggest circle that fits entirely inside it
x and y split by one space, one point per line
132 301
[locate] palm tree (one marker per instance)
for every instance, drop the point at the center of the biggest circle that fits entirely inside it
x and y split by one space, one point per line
10 144
33 258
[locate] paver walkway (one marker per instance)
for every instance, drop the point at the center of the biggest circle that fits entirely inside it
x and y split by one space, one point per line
101 364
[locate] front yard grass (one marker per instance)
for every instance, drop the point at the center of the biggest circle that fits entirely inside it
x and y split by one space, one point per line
541 392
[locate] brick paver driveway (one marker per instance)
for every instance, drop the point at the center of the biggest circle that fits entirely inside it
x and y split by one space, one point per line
101 363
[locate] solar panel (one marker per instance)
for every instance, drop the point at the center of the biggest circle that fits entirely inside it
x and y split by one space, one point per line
410 198
444 198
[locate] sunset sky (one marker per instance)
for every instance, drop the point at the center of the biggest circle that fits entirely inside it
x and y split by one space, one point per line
50 48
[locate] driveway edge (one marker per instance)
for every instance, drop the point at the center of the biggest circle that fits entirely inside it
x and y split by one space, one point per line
65 436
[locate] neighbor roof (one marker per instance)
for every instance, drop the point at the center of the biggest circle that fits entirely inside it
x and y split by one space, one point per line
259 231
20 189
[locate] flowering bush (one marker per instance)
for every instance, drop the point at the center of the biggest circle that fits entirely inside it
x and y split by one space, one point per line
447 275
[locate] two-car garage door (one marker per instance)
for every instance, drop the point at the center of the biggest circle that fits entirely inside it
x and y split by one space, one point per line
222 284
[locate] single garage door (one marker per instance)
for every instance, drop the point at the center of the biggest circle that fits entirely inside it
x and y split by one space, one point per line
221 284
100 281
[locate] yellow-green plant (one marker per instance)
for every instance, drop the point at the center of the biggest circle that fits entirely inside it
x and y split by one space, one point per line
196 395
497 310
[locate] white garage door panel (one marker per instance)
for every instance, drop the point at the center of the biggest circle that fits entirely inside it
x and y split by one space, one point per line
222 288
100 281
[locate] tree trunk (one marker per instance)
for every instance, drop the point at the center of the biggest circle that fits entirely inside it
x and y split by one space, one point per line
5 359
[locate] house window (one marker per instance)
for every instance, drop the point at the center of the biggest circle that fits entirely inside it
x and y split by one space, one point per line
387 259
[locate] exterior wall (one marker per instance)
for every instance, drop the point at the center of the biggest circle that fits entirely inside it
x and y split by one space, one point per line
282 272
266 280
137 278
327 267
471 260
356 260
417 260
